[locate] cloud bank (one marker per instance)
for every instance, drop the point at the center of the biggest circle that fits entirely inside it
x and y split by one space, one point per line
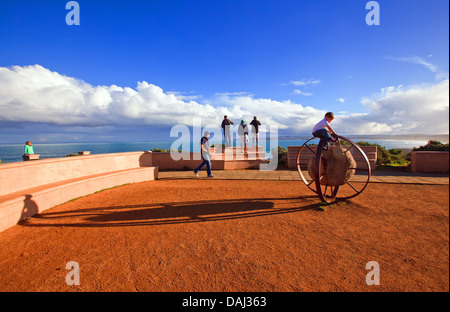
415 109
34 94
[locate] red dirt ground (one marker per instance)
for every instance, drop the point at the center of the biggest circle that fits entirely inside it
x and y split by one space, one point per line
218 235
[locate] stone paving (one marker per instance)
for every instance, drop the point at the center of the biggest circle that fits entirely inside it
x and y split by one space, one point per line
292 175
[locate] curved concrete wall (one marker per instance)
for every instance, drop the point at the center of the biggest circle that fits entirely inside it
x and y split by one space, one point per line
24 175
31 187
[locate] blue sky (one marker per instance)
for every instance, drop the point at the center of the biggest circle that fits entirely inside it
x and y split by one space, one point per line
286 61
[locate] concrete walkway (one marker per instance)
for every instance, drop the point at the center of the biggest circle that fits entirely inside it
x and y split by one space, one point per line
292 175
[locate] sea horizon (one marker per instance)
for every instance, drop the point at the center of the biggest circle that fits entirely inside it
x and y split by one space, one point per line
12 152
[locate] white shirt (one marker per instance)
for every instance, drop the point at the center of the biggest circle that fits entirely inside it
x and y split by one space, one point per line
242 129
320 125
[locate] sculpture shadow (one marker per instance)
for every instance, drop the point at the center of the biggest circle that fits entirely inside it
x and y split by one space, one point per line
164 213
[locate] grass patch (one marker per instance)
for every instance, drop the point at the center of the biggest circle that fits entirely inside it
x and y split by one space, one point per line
322 206
69 201
74 199
110 188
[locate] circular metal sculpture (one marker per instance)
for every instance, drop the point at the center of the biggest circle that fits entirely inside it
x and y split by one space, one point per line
327 169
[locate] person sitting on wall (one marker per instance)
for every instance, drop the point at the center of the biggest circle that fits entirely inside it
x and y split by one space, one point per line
29 152
29 148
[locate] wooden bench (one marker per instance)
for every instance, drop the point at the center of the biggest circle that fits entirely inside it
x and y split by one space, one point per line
307 154
28 188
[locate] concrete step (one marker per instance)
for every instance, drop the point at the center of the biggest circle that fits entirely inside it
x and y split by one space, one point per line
238 155
236 148
235 153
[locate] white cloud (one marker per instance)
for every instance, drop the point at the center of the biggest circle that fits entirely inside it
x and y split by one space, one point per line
300 92
36 94
185 95
342 100
234 93
284 114
304 82
439 74
415 109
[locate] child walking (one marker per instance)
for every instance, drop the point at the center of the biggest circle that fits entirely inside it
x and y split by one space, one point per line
206 155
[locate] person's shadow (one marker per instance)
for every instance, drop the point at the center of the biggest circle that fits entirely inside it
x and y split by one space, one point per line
30 208
169 213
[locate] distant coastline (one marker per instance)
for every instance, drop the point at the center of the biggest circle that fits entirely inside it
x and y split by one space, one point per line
13 152
444 138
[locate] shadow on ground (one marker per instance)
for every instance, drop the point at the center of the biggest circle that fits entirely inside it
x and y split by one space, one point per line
168 213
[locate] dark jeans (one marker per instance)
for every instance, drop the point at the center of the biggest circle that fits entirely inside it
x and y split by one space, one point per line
324 134
206 162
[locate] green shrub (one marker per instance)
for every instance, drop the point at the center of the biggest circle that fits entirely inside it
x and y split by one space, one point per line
383 156
433 146
161 150
397 157
391 157
282 154
395 151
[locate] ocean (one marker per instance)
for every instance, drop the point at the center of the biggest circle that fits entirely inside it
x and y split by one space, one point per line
13 152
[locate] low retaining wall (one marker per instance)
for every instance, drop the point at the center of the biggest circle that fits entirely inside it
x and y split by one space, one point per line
31 187
164 161
429 161
24 175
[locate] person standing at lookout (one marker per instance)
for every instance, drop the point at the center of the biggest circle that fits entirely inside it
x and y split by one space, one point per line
226 126
255 130
206 155
243 136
